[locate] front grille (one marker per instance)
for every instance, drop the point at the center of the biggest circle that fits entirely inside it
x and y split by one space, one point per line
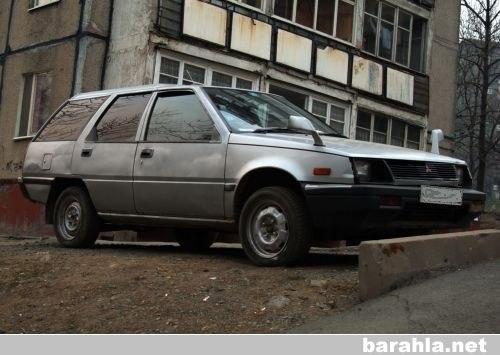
421 170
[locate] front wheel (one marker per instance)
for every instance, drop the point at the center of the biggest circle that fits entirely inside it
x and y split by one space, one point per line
76 222
275 228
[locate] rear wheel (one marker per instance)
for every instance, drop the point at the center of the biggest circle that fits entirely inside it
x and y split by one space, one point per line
195 240
275 228
76 222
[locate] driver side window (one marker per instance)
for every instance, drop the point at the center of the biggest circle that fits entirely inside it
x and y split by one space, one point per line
179 117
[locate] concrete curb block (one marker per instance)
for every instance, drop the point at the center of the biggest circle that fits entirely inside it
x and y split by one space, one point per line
386 264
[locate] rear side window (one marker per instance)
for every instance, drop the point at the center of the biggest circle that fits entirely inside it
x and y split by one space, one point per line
69 122
180 117
120 122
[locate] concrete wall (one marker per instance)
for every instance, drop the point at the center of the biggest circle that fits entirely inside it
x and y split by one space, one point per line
45 40
442 66
129 61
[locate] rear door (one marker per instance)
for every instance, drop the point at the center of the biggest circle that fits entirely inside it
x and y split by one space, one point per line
179 166
104 157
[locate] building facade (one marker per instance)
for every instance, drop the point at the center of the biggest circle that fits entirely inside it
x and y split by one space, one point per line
375 70
49 50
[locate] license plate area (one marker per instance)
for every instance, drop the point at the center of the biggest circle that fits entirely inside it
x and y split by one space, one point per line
441 195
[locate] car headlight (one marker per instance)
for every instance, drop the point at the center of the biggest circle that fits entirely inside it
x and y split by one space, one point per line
362 170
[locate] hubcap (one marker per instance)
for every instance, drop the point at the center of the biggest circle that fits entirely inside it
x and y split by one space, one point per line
70 218
269 231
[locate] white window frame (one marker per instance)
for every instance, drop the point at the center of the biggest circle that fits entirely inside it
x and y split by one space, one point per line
28 134
390 119
329 101
262 7
209 69
313 29
36 4
396 26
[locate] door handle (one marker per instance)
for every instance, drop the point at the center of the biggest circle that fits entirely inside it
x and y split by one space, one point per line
147 153
86 152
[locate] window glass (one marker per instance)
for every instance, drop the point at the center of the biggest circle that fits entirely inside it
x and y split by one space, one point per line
193 74
386 38
403 46
120 121
319 108
35 109
337 118
380 129
325 17
169 71
254 3
305 12
417 44
284 8
369 34
371 7
404 20
363 126
398 133
413 140
345 21
294 97
219 79
69 122
180 117
243 84
388 13
246 111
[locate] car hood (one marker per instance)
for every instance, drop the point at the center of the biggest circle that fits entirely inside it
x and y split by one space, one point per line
339 146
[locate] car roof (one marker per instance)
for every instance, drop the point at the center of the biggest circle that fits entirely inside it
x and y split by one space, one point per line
137 89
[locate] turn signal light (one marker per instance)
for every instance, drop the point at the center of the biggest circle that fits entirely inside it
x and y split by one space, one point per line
391 201
322 171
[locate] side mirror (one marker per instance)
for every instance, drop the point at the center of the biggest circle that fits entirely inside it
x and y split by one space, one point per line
299 122
302 124
436 137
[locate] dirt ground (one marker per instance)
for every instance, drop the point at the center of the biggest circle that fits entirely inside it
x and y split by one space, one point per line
130 288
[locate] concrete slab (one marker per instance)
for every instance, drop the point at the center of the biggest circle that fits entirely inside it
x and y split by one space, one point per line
460 302
390 263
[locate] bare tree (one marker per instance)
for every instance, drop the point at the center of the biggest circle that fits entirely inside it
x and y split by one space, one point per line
478 82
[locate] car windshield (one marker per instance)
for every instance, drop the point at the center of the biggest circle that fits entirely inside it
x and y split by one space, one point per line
250 111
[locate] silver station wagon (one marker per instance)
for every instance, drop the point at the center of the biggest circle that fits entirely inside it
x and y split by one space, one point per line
201 160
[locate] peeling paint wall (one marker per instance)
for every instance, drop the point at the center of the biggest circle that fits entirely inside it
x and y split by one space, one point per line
205 21
367 75
400 86
251 36
332 64
294 51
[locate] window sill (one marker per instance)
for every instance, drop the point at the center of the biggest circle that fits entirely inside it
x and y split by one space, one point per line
23 138
42 6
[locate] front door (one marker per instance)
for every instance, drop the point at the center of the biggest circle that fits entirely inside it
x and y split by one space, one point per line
105 157
179 166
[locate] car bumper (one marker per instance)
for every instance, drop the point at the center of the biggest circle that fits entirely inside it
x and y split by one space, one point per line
351 209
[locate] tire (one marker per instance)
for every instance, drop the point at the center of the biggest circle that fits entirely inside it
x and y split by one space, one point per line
76 223
195 240
275 228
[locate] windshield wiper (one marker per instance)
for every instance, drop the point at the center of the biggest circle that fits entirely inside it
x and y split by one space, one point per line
276 130
333 134
314 134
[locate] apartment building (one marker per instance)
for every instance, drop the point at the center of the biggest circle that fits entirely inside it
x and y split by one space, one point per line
49 50
376 70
